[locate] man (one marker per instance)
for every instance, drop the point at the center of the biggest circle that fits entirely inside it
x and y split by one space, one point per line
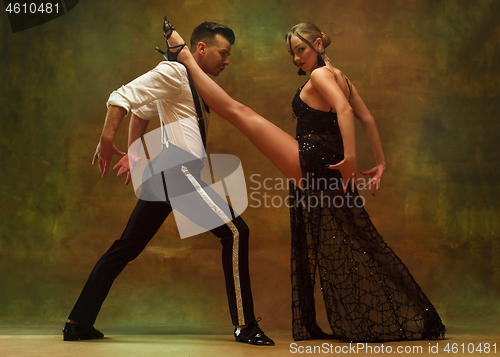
165 91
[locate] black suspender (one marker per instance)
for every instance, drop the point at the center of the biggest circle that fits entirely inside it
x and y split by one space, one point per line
199 113
197 105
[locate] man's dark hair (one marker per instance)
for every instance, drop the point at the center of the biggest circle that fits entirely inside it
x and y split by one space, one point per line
207 31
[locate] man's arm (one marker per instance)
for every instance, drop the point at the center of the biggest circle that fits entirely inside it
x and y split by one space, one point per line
105 148
162 82
137 128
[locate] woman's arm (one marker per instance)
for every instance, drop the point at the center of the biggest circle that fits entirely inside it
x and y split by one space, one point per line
367 121
324 82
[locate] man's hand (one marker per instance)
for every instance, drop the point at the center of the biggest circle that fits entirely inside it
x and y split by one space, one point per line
126 164
104 153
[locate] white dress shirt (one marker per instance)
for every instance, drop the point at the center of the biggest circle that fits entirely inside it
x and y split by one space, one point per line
165 91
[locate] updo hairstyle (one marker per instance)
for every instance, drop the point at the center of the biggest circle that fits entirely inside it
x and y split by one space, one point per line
308 32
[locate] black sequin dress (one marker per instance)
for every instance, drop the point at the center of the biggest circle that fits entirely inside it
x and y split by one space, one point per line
369 294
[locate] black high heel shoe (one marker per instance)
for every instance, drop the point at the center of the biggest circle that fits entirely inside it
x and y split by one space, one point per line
170 55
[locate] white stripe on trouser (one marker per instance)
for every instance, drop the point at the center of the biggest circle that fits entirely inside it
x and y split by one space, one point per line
236 241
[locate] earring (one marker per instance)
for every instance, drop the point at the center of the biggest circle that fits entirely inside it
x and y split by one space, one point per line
321 62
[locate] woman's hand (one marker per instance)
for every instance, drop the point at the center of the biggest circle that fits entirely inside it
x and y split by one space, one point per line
349 171
375 178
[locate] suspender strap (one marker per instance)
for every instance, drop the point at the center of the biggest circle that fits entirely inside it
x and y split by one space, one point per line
196 99
201 122
199 114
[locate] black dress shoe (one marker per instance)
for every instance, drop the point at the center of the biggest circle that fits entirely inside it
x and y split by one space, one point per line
252 334
74 332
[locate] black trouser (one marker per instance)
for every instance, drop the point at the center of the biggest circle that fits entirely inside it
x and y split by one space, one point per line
143 224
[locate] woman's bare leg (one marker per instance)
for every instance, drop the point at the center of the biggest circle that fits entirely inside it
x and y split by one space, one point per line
274 143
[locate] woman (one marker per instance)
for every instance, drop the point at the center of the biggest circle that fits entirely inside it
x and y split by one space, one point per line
369 293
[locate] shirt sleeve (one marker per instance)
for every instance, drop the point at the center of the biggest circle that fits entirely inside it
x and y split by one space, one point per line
147 111
165 82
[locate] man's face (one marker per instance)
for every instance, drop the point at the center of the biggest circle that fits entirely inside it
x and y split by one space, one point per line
214 56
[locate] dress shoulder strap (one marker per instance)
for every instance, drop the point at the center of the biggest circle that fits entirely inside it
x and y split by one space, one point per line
347 81
348 86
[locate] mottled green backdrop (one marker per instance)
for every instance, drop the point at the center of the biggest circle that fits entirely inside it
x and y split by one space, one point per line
428 70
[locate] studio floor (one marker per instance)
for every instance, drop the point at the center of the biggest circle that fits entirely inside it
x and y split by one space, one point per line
465 337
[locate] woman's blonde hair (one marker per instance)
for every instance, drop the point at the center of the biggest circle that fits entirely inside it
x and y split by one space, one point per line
308 32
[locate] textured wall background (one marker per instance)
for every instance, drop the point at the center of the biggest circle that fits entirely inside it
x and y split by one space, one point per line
428 70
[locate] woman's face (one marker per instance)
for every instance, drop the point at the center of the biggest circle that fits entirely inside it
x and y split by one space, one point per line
303 55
